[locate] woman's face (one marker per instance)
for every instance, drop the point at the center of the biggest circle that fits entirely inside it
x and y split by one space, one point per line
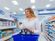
27 13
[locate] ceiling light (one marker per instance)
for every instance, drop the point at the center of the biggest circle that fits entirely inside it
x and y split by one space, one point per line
14 13
51 0
33 7
6 8
48 5
21 9
15 2
32 1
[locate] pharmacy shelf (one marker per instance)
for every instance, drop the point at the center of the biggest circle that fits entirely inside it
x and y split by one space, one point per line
53 35
49 37
5 38
5 27
7 18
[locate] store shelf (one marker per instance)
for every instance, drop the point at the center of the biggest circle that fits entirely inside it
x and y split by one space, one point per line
7 18
49 37
5 38
4 27
53 36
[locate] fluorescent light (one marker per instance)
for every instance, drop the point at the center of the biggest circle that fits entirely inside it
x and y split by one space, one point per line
15 2
6 8
21 9
51 0
32 1
33 7
48 5
14 13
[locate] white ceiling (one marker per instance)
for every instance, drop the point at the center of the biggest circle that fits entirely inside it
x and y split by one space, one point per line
22 4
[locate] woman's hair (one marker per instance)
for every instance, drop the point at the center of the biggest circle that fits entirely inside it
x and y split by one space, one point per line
31 12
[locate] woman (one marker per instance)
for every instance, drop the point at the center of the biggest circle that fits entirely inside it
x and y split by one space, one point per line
31 22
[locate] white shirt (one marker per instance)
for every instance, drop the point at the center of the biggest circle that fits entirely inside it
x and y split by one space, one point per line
33 24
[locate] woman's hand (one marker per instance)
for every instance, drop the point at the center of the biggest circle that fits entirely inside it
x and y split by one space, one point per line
29 30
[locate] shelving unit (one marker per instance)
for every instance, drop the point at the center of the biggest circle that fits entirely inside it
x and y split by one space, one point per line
49 32
1 28
7 18
11 26
48 38
5 38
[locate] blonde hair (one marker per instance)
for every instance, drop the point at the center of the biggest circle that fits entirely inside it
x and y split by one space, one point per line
31 12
